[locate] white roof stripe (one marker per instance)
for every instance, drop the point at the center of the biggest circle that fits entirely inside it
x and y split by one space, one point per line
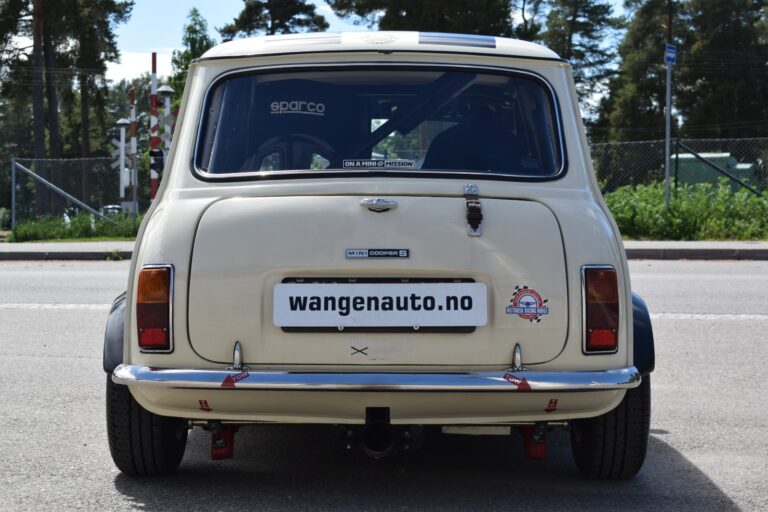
375 41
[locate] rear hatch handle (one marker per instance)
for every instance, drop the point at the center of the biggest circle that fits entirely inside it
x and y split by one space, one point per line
474 209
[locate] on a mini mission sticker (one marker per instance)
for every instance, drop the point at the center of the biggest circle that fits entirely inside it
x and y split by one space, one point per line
379 164
527 303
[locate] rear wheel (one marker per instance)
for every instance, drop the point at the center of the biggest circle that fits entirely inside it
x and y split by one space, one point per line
613 446
142 443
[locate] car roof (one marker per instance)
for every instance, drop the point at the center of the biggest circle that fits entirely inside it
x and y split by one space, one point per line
379 41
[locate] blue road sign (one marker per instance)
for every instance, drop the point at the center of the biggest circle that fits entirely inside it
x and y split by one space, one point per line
670 54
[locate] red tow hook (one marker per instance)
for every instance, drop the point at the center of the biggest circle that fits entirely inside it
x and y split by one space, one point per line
223 443
534 442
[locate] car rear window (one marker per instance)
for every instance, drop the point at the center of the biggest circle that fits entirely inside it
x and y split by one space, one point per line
398 120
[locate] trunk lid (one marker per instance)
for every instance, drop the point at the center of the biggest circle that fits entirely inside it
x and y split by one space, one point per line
249 252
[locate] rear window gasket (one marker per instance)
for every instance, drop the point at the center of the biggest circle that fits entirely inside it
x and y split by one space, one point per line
301 174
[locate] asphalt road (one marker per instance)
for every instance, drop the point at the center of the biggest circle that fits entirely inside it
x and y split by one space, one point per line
708 449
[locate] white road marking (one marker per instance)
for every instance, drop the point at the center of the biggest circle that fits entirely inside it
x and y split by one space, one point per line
33 305
706 316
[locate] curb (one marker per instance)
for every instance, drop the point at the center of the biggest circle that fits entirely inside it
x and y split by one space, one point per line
709 253
65 255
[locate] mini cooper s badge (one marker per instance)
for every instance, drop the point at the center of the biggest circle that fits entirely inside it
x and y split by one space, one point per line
378 253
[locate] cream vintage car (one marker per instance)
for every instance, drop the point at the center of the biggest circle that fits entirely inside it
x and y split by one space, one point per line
383 233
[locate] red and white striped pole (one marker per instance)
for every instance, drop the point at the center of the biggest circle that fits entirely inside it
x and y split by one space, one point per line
133 127
154 125
134 172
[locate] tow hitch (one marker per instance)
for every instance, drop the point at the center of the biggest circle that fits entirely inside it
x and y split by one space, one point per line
377 438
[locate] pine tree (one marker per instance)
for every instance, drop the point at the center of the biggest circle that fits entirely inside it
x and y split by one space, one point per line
11 13
196 41
274 17
634 107
71 42
579 31
531 25
489 17
15 81
724 77
96 45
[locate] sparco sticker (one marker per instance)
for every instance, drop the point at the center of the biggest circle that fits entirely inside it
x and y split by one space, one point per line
312 108
378 253
527 303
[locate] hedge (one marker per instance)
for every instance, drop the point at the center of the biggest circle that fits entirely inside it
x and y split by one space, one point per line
696 212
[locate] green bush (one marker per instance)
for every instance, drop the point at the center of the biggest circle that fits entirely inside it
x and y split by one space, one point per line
696 212
80 226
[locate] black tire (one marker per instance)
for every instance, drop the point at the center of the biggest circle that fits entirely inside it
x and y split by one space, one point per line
613 446
142 443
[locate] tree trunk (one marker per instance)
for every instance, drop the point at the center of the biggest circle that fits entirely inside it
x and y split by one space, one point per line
54 132
573 17
85 126
670 17
42 194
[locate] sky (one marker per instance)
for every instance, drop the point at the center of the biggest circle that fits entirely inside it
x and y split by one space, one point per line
157 26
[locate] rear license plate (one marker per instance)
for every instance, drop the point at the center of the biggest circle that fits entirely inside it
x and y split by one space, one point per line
377 305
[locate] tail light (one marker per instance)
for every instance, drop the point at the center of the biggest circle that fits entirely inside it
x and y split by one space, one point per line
153 308
601 309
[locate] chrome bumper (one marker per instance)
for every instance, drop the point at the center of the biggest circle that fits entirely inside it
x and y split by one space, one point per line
509 381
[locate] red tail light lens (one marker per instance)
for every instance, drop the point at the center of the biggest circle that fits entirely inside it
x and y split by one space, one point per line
153 308
601 303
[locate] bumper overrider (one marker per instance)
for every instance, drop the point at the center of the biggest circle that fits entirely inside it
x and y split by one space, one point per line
509 381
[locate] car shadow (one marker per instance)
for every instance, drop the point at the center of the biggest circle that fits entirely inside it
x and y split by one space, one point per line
293 468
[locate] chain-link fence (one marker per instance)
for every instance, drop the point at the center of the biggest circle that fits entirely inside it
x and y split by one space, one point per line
631 163
63 187
96 182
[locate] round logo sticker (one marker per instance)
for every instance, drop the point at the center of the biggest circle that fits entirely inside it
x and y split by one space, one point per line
528 304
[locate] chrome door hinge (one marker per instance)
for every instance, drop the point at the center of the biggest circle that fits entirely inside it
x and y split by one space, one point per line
474 209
